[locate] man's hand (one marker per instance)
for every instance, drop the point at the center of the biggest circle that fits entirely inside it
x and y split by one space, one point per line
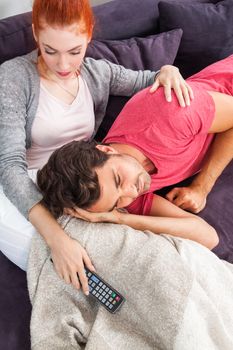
192 198
170 78
110 216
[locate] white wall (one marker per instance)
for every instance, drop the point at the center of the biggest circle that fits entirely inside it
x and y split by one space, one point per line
13 7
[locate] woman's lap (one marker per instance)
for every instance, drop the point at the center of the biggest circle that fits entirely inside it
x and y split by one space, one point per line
15 232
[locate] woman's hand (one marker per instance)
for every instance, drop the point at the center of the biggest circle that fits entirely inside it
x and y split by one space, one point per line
192 198
69 258
170 78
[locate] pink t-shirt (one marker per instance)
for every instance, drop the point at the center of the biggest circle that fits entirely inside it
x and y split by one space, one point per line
175 139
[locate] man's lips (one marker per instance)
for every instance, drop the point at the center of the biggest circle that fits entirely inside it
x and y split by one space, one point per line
140 186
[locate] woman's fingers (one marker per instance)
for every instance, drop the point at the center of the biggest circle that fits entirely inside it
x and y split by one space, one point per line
155 86
83 280
75 280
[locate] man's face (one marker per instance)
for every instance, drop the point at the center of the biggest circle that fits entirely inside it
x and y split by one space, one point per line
121 179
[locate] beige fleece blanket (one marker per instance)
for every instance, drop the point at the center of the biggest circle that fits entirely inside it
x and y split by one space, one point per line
178 294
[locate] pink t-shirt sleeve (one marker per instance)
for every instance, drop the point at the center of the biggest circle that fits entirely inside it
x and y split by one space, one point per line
141 205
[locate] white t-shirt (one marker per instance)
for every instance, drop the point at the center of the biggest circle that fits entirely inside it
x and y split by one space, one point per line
57 123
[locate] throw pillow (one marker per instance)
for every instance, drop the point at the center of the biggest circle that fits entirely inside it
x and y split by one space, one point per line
138 53
207 32
123 19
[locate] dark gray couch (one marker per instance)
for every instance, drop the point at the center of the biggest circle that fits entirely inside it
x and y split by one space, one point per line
207 36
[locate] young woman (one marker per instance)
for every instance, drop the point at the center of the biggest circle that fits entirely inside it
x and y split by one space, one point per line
48 98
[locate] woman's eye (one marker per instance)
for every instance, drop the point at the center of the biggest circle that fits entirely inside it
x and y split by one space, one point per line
76 53
50 52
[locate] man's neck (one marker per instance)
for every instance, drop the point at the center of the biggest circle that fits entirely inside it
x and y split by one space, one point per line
147 164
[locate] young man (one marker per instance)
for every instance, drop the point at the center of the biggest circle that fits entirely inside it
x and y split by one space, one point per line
150 145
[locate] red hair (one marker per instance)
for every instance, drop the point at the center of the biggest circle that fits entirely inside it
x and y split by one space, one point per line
61 13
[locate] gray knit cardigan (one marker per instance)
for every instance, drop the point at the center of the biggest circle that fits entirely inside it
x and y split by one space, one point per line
19 96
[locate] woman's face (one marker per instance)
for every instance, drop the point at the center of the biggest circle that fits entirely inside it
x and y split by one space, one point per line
62 49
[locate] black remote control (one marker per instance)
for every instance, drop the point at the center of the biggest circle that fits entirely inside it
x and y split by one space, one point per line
107 296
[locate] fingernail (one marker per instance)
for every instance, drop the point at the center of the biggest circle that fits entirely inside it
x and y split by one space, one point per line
87 292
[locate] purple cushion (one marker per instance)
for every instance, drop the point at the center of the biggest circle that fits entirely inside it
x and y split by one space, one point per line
122 19
139 53
207 32
16 36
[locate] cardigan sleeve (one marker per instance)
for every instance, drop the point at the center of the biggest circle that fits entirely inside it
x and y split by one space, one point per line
16 91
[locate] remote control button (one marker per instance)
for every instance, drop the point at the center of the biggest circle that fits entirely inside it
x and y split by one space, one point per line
103 300
104 293
89 274
101 290
114 302
94 292
104 286
101 283
95 279
107 289
110 299
107 303
97 288
100 297
110 306
113 295
97 294
118 298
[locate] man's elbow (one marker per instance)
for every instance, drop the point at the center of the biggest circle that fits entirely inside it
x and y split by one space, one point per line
214 239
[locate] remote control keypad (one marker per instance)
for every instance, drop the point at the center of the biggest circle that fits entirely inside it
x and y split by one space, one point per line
103 292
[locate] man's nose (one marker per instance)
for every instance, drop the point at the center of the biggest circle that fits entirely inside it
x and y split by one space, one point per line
129 190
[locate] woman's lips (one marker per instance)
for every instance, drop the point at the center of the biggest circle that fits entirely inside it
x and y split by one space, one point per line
63 74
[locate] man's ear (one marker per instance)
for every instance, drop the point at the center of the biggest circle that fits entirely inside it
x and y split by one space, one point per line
106 149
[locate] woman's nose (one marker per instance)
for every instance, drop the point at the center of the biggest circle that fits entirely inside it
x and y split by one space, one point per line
63 63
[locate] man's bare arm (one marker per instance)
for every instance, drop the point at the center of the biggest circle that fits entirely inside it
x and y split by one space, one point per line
193 198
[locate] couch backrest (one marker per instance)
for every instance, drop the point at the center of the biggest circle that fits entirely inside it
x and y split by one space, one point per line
119 19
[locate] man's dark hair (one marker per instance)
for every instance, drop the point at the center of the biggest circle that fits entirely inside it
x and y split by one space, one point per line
69 178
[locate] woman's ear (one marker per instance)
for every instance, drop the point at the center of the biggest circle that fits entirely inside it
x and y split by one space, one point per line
33 32
106 149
